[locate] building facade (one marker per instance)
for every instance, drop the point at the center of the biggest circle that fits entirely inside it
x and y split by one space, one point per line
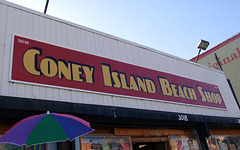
133 96
227 54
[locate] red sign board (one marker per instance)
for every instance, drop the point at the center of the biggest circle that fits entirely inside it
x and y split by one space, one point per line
35 62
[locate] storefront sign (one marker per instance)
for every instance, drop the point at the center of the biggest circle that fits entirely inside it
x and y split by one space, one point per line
35 62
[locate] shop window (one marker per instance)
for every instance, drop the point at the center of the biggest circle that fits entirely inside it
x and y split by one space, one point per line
105 143
223 142
184 143
234 143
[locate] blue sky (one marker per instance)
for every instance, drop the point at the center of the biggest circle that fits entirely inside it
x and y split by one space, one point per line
171 26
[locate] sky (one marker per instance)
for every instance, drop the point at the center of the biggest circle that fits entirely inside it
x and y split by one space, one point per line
171 26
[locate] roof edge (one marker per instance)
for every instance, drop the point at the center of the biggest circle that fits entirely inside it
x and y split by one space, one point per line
233 38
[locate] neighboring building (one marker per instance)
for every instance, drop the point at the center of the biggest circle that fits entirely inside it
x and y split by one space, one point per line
228 53
133 96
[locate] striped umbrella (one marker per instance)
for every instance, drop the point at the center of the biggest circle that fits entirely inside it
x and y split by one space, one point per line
46 128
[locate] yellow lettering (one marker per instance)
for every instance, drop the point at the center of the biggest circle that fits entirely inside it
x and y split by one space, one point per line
141 84
89 73
174 90
219 98
214 98
123 81
185 92
208 96
180 91
64 70
166 90
203 98
30 61
76 72
192 93
116 81
106 75
48 67
133 84
150 86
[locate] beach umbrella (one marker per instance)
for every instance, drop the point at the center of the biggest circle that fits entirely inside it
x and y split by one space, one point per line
46 128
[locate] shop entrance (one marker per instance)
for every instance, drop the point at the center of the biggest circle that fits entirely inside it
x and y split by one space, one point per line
149 146
149 143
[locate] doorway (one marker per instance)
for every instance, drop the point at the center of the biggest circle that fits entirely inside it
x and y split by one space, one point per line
150 143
